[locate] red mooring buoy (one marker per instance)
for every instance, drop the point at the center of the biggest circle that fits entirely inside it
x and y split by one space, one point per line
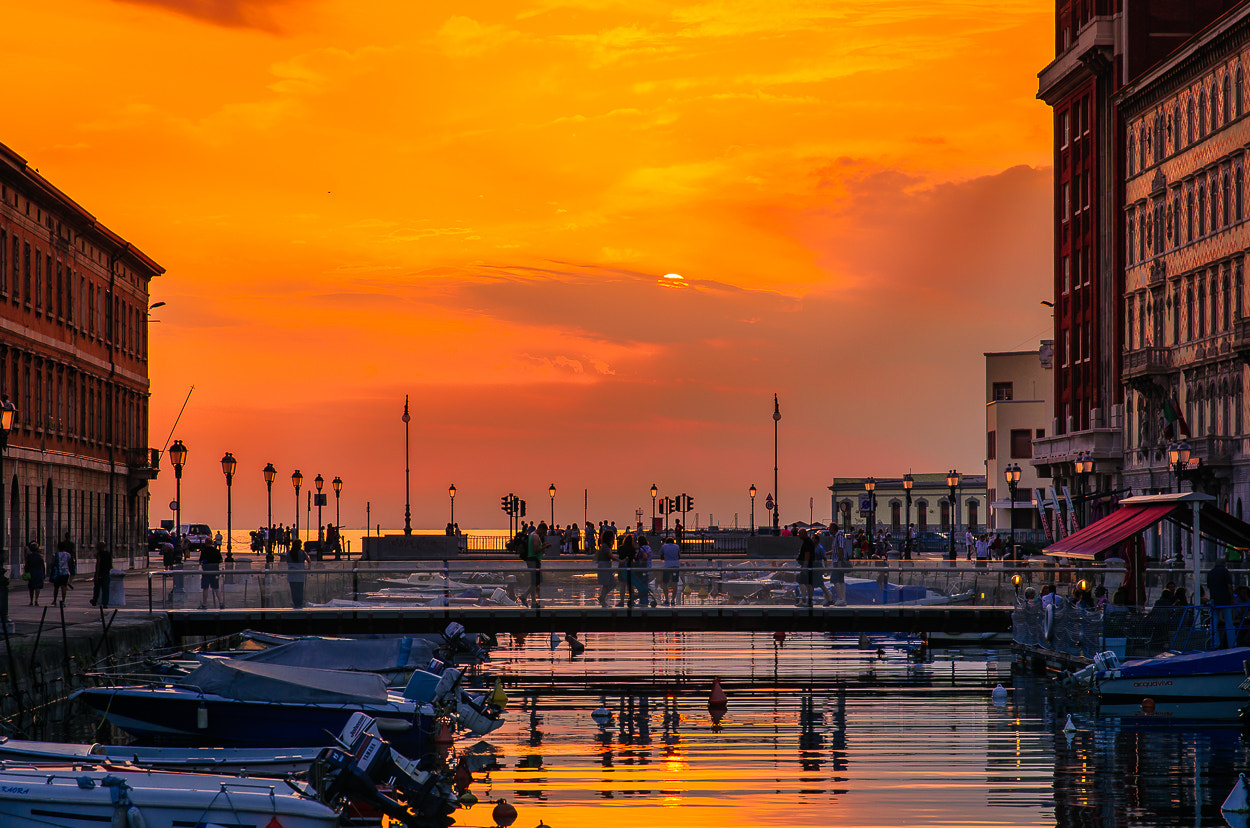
443 740
718 700
779 637
504 814
1148 705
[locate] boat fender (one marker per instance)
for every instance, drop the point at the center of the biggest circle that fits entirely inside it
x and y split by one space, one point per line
999 695
1237 802
201 716
468 799
86 783
134 818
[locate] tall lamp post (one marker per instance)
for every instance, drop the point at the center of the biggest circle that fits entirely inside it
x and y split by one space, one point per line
407 473
8 413
319 482
270 473
451 494
655 491
1012 473
178 456
551 490
952 480
908 482
1084 466
776 506
1178 458
337 483
297 480
870 486
228 466
753 491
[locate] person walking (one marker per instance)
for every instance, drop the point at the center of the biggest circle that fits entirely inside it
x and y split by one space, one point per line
806 559
670 553
296 563
604 556
1220 588
839 562
35 572
210 576
100 581
536 545
60 570
625 554
819 562
642 572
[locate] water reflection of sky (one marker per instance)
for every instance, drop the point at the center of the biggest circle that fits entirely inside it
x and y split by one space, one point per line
821 732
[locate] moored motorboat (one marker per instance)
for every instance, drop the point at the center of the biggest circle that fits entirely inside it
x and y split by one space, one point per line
253 761
1209 675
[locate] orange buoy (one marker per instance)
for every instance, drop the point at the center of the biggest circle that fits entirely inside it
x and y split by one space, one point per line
443 740
504 814
1148 705
462 778
779 637
718 700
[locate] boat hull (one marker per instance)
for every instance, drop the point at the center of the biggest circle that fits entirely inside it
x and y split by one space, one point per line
1214 675
179 716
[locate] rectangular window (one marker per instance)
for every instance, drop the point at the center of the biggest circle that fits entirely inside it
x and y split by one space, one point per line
1021 443
1040 433
1065 270
1003 391
4 272
991 445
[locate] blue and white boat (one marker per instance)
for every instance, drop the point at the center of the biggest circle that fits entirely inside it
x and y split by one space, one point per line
1209 675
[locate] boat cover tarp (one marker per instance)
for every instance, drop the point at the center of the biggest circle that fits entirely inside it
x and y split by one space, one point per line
869 591
372 655
243 680
1102 535
1188 664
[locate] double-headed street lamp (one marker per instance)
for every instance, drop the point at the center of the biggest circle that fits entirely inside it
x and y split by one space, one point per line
551 490
178 456
270 473
952 480
297 480
1178 459
1084 466
908 482
228 466
1012 473
753 491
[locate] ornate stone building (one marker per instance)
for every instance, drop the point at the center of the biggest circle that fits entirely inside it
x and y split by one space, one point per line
74 361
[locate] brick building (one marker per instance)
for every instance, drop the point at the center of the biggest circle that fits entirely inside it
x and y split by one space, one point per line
74 361
1123 79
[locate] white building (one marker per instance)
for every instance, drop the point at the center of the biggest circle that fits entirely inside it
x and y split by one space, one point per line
1018 408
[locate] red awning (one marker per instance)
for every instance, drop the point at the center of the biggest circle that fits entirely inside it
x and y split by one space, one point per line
1101 535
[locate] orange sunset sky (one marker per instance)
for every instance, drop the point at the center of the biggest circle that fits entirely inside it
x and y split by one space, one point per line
476 204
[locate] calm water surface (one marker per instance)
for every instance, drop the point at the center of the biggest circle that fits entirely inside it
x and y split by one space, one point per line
821 732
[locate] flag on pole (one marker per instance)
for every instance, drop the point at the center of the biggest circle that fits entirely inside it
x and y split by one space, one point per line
776 409
1174 421
406 417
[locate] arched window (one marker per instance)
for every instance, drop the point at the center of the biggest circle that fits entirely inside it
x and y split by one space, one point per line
1202 113
1225 410
1226 201
1202 210
1237 193
1238 91
1202 308
896 516
1132 168
972 515
944 515
1189 212
1237 289
1130 239
1215 106
1189 120
1189 315
922 515
1228 99
1226 296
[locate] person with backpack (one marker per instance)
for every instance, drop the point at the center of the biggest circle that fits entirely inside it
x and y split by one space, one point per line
59 571
536 544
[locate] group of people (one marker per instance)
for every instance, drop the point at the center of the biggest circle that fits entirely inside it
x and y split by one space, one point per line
59 567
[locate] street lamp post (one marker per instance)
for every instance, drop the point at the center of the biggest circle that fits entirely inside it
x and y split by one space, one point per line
270 473
1084 466
319 482
178 456
407 473
776 506
654 492
551 490
451 494
952 480
8 413
297 480
337 483
1012 473
908 482
753 492
870 486
1178 458
228 466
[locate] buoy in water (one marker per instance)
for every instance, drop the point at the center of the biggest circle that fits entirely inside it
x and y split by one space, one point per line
503 814
779 637
575 646
555 640
468 799
497 696
462 778
1068 727
717 700
602 716
443 739
999 695
1148 705
864 642
1237 801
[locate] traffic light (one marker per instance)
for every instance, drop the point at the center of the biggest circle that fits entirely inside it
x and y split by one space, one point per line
689 504
522 512
663 505
505 503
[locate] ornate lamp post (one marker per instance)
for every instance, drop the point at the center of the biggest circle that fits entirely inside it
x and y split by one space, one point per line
908 482
319 482
178 456
1084 466
776 507
753 491
1012 473
337 483
451 493
1178 458
297 480
952 480
654 492
870 486
270 473
228 466
551 490
407 473
8 413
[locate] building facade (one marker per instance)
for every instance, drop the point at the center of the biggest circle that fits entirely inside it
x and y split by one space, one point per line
1185 238
930 509
74 362
1018 385
1104 174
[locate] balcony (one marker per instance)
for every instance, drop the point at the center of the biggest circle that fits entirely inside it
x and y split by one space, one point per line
1147 363
142 465
1213 450
1241 338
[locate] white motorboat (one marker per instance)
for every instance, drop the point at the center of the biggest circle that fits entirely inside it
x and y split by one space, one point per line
42 796
253 761
1210 676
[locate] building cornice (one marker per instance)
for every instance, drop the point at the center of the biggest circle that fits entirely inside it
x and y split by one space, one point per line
1089 56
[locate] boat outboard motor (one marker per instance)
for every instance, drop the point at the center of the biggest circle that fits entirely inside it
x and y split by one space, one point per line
422 796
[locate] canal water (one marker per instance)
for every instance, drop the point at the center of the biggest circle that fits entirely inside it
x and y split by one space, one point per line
829 731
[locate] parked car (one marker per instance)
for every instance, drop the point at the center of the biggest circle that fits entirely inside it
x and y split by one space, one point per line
198 535
158 536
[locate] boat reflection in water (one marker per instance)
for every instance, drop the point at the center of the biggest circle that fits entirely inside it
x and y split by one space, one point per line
818 732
